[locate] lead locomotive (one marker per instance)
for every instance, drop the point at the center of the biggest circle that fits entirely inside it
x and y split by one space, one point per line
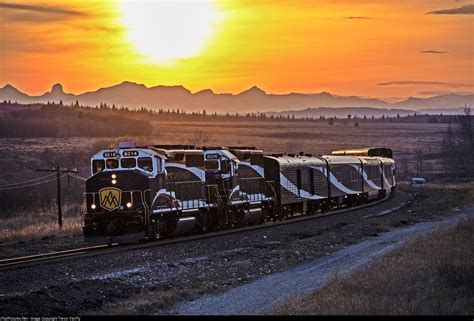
137 193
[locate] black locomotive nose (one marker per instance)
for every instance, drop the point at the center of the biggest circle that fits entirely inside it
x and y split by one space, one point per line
122 179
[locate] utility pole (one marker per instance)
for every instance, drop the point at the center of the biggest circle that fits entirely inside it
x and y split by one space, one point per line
58 186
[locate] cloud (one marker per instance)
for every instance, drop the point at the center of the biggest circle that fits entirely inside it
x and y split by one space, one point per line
433 52
466 9
44 9
438 92
359 18
18 13
413 82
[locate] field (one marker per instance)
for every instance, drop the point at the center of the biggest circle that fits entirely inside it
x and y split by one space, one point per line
312 137
23 209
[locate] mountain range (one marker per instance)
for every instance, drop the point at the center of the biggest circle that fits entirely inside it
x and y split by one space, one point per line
254 99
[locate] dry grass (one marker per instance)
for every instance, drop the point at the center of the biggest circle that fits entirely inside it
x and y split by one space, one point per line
139 304
149 301
429 275
35 225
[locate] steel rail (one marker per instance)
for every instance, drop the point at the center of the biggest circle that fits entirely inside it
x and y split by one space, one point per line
36 258
113 248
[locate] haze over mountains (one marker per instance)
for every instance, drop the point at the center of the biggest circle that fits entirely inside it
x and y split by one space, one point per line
252 100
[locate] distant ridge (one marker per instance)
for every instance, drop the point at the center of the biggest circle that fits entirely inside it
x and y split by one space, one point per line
253 99
361 112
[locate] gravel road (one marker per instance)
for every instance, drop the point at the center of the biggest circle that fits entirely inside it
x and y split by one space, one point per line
262 295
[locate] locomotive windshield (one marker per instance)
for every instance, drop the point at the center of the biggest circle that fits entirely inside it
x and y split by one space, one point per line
145 163
211 164
128 163
98 165
112 163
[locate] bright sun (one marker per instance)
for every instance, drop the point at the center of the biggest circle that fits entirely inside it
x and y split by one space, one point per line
165 31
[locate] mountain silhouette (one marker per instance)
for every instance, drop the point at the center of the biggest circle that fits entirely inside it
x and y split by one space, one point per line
254 99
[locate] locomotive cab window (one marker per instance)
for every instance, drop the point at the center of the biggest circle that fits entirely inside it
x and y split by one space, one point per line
194 161
112 163
128 162
145 163
211 164
98 165
225 166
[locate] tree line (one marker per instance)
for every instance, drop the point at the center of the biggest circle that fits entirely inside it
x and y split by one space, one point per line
54 120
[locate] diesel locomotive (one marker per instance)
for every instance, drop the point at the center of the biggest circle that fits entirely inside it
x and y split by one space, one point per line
138 193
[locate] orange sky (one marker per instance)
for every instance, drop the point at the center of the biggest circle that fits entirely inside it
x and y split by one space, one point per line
366 47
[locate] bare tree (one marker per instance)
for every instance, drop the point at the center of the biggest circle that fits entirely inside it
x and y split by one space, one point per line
199 138
405 173
458 145
419 162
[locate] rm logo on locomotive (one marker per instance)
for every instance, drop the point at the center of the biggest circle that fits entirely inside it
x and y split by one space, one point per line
110 198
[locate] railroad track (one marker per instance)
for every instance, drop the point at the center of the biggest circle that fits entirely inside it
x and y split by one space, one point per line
30 260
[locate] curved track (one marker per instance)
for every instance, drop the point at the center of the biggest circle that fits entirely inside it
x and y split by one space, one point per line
99 249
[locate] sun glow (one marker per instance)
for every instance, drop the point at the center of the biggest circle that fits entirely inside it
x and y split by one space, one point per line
165 31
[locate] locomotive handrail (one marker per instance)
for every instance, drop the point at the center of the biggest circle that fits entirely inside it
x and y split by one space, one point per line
145 205
225 188
253 196
211 190
179 188
220 203
271 185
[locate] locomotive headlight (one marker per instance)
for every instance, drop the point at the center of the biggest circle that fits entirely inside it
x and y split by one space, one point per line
114 181
93 206
114 176
129 204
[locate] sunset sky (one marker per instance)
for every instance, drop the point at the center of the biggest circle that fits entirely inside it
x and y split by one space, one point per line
386 49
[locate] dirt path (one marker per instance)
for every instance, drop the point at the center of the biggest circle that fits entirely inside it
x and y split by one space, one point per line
262 295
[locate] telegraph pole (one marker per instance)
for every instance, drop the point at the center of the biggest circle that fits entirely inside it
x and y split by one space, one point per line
58 186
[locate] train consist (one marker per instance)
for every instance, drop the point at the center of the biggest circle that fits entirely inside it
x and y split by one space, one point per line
140 193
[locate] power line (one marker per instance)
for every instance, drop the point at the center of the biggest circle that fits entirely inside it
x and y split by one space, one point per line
27 181
77 177
30 185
